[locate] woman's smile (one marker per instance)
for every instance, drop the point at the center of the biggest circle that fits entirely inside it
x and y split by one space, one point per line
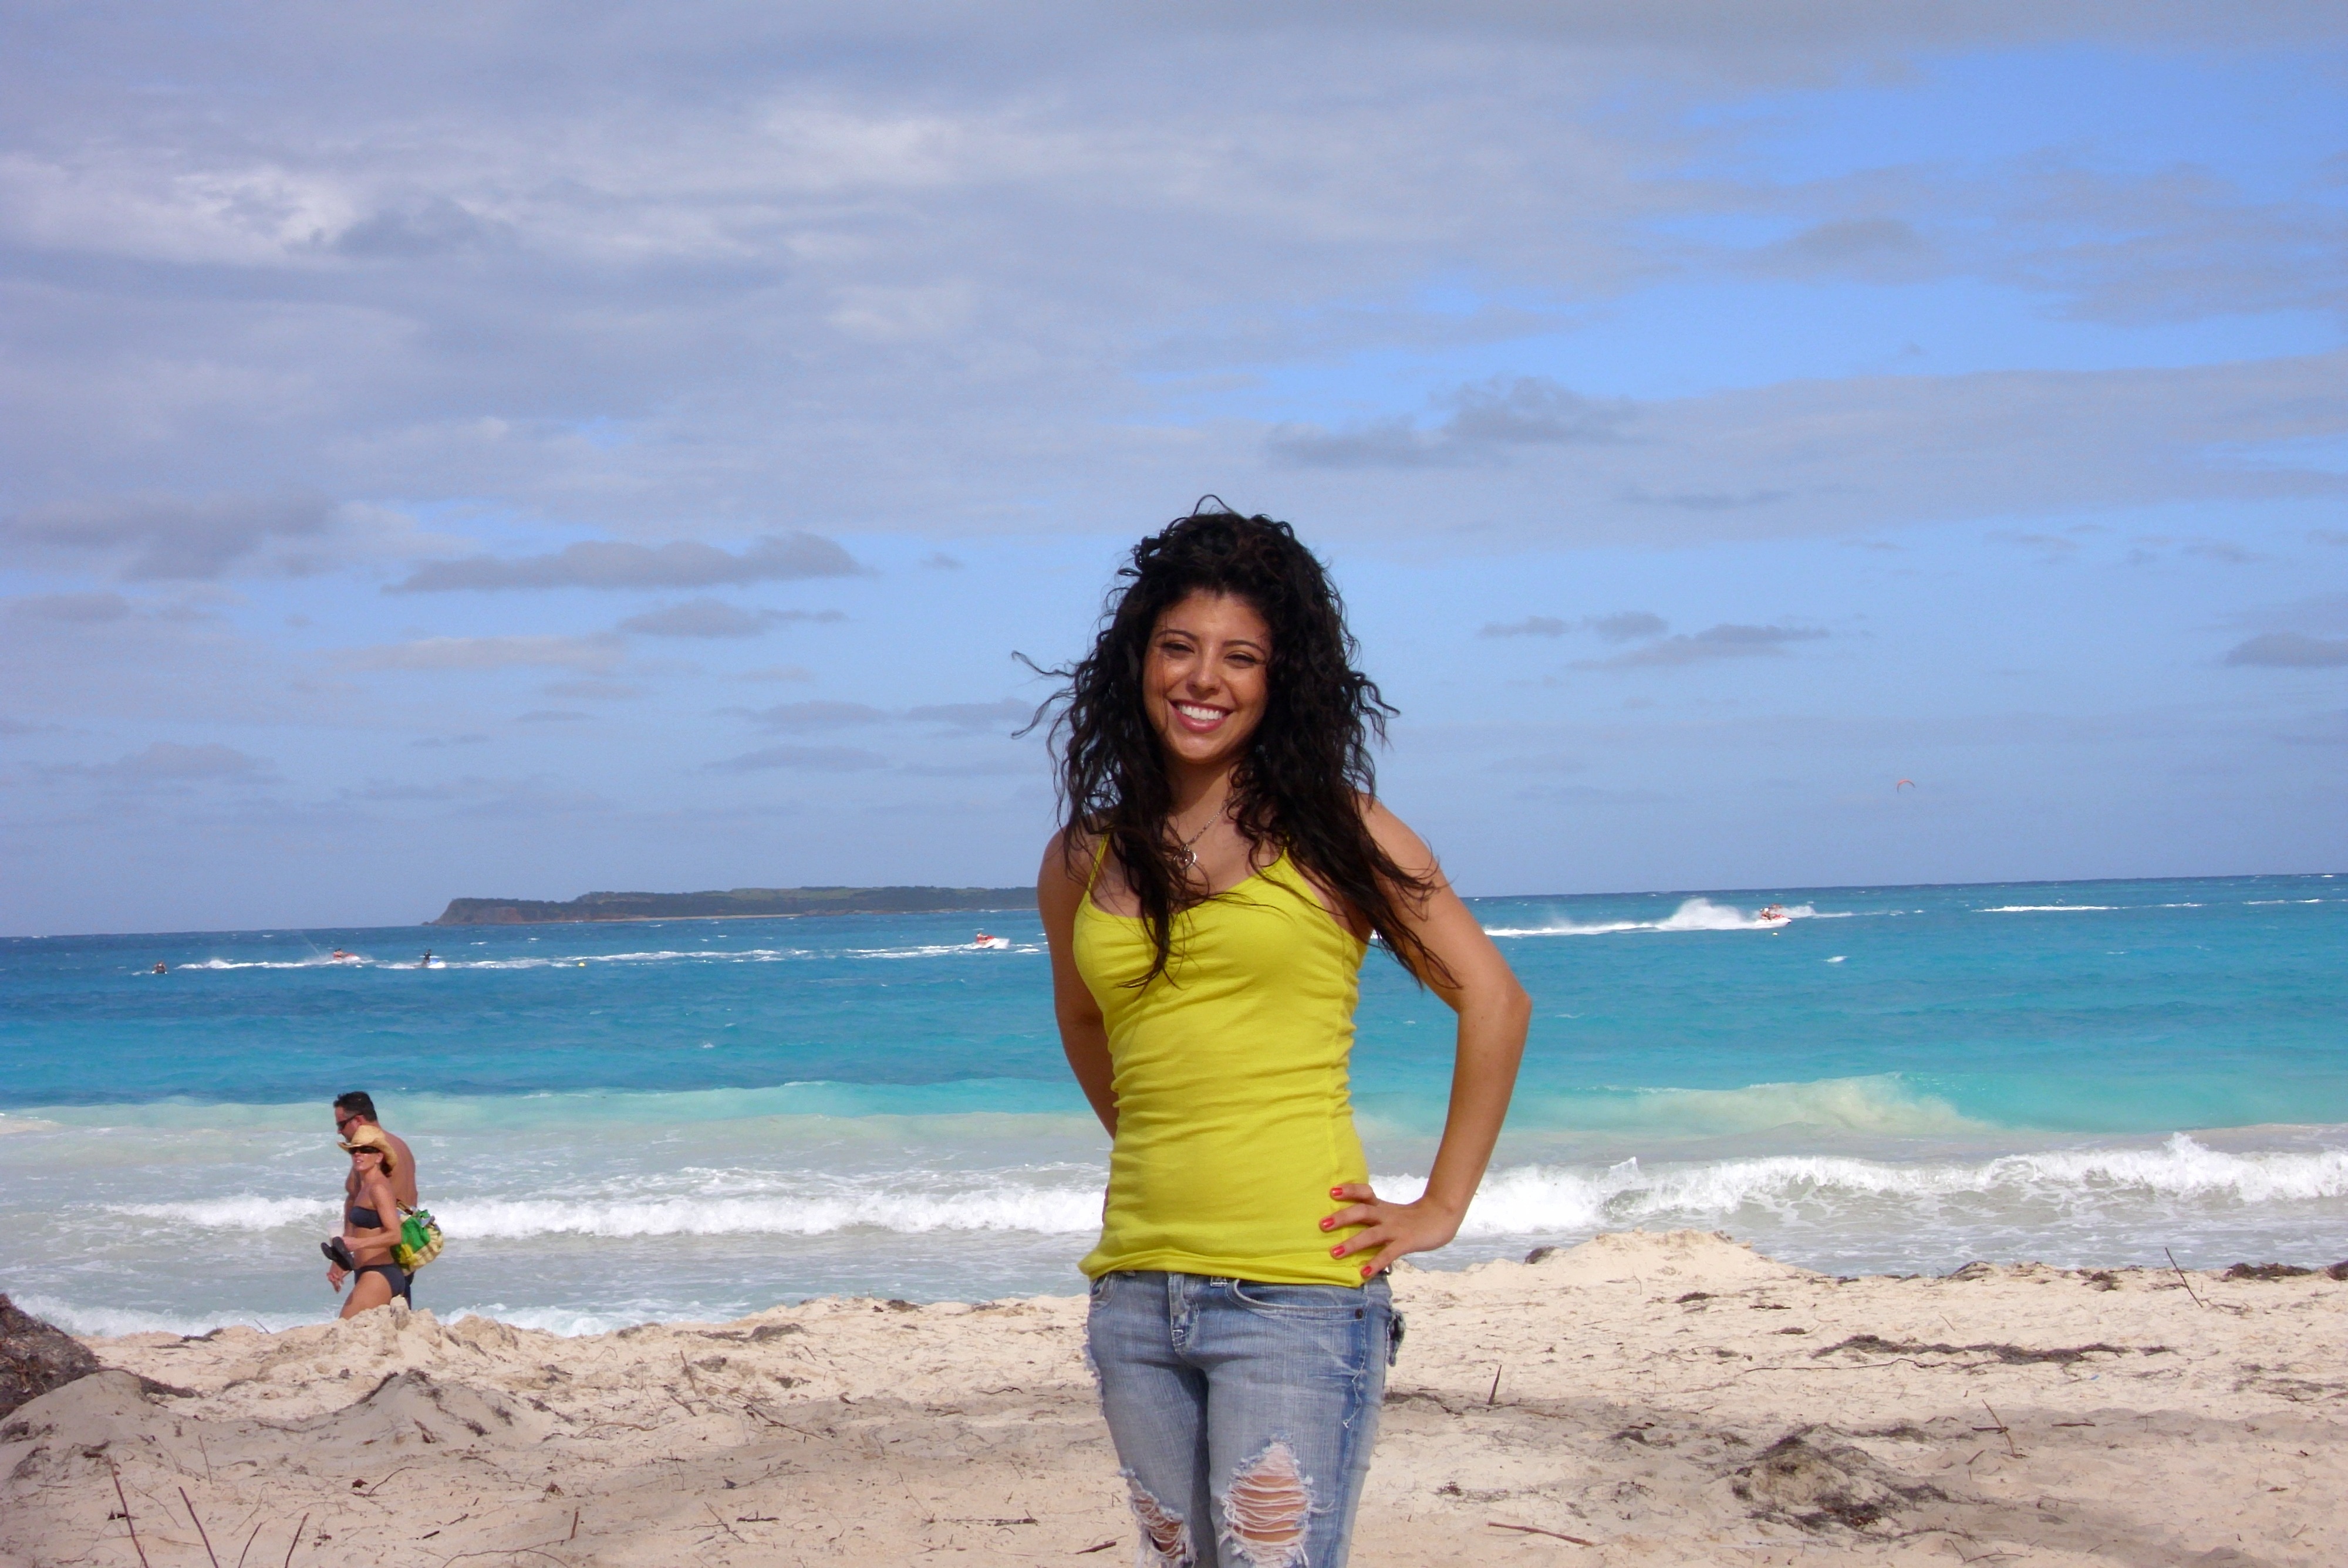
1207 679
1198 717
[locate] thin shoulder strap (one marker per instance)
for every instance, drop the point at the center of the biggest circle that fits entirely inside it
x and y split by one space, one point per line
1100 853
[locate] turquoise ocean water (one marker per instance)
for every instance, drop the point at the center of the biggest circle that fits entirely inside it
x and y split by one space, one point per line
696 1119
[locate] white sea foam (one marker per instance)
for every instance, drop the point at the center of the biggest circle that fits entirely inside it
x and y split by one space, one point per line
245 1212
1532 1199
77 1319
2046 909
1694 914
1061 1211
2179 1175
946 949
805 1207
570 1323
1882 1104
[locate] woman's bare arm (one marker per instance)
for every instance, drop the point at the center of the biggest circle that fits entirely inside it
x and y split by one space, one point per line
1494 1014
1060 889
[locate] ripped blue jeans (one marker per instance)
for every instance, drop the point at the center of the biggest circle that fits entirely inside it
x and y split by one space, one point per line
1243 1413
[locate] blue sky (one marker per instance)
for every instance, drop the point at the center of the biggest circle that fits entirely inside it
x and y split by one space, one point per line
518 450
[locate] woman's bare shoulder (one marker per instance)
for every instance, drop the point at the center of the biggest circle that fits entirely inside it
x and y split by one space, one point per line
1067 869
1394 835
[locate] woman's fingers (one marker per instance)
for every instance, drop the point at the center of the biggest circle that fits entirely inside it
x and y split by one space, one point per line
1355 1193
1391 1231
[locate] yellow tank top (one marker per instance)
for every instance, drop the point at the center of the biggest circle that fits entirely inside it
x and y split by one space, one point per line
1234 1115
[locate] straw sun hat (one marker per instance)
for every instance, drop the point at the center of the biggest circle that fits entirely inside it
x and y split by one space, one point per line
378 1140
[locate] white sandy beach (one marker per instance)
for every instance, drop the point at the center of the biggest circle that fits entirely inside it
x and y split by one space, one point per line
1643 1398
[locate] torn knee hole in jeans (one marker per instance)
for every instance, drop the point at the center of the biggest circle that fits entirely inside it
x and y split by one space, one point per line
1268 1509
1165 1536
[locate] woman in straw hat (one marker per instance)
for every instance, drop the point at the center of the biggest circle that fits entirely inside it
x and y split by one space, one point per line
371 1223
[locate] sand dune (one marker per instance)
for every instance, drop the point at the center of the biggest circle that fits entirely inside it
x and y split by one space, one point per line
1639 1400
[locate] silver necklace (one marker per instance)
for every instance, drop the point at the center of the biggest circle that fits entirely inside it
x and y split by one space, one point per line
1190 845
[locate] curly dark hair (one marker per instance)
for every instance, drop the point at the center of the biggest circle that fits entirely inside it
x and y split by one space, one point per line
1307 768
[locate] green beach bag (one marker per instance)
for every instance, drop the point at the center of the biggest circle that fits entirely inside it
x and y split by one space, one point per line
419 1240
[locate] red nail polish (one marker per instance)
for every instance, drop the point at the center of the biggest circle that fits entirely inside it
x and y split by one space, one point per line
1326 1224
1336 1252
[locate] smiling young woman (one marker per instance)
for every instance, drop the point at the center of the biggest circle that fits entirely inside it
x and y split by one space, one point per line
1221 867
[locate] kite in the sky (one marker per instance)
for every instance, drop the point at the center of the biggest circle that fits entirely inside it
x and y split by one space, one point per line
1903 784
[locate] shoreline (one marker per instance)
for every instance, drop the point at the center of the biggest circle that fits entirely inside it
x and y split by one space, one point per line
1640 1398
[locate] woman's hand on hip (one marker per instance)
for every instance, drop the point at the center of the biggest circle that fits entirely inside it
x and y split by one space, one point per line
1392 1229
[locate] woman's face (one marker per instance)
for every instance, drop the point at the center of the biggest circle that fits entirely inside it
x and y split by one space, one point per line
1207 679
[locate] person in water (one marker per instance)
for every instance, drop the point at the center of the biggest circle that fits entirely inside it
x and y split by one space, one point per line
371 1223
354 1112
1222 866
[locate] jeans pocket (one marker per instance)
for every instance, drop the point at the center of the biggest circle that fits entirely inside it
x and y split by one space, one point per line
1393 1337
1330 1301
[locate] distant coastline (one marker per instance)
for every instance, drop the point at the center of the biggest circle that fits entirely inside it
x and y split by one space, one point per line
732 904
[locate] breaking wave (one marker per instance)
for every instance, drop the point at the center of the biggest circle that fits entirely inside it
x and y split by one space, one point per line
1880 1103
2180 1174
1692 915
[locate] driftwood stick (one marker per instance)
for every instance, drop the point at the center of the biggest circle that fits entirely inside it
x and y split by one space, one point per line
297 1540
1537 1529
248 1541
2001 1430
116 1470
1494 1396
2182 1280
200 1532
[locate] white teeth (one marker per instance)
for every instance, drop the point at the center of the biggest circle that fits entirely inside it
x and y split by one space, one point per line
1203 715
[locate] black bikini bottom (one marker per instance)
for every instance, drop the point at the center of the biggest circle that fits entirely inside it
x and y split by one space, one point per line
394 1275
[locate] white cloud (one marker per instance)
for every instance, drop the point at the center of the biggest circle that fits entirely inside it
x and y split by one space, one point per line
795 717
2291 650
168 762
809 759
593 653
1829 457
615 564
1726 640
714 618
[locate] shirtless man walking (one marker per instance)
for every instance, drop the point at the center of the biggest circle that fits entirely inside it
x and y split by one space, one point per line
353 1111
